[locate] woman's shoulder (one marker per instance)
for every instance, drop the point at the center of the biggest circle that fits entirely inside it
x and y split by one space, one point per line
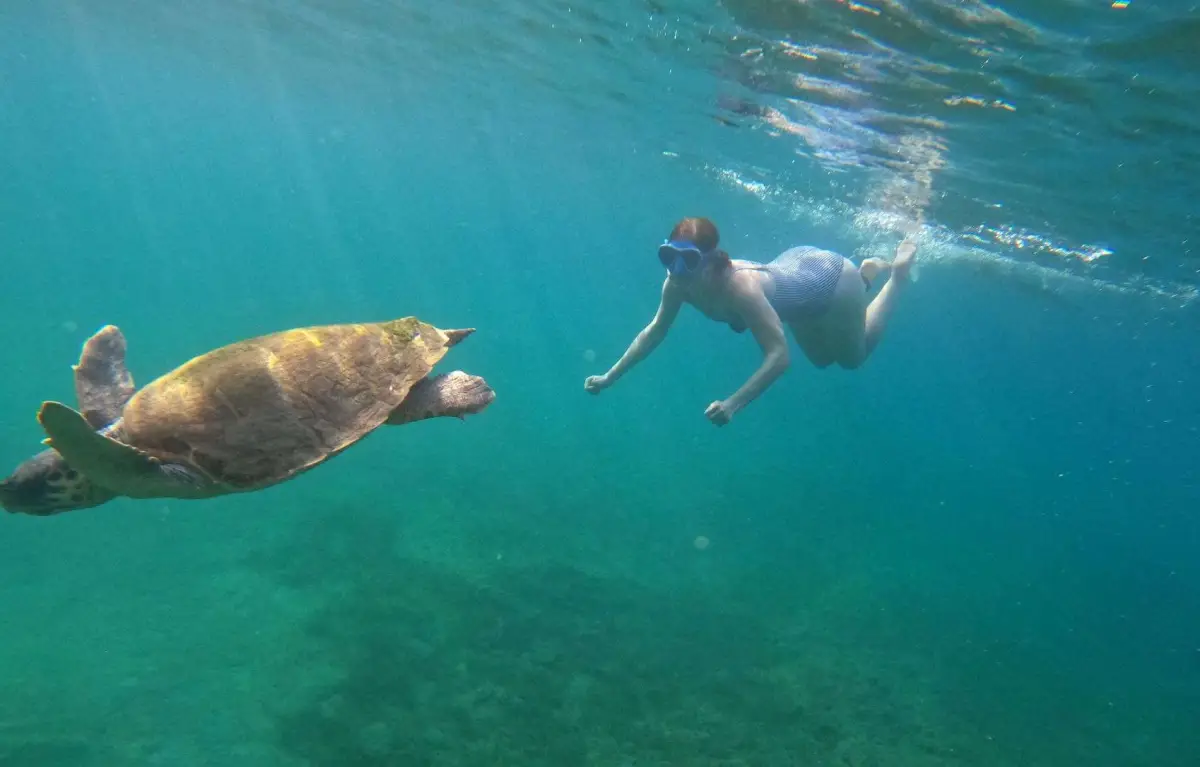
747 276
745 263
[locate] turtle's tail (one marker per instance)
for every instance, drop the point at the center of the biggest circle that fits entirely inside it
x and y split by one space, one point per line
454 336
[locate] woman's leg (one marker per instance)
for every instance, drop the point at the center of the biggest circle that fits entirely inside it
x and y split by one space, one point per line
881 308
851 328
842 329
810 337
853 325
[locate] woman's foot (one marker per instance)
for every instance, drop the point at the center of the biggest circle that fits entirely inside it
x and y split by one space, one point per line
906 256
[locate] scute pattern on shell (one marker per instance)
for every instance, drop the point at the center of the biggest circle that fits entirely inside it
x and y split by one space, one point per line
259 411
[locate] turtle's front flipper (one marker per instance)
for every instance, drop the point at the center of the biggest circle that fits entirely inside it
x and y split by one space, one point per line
119 468
451 394
102 459
102 382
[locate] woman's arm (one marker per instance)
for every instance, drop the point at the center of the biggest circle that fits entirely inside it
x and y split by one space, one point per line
645 342
763 322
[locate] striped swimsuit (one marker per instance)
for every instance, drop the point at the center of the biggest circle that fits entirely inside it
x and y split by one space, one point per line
804 280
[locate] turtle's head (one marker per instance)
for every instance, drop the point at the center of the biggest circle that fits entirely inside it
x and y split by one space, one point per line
45 485
453 337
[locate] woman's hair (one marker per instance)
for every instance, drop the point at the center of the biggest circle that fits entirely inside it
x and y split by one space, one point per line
703 233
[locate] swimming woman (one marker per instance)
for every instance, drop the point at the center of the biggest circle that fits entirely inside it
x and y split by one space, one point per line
821 296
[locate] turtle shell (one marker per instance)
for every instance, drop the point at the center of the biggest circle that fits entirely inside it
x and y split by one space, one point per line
260 411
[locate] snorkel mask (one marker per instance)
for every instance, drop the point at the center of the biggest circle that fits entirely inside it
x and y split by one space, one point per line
682 257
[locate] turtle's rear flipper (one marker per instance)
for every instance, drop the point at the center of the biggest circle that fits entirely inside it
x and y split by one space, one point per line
118 467
102 382
451 394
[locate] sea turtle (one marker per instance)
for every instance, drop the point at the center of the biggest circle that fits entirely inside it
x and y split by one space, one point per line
237 419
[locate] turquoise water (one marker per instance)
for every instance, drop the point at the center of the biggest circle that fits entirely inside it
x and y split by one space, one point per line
979 549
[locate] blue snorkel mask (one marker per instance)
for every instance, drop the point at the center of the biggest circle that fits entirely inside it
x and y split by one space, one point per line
682 257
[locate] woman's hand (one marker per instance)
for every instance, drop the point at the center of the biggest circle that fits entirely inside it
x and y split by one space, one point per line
719 413
596 384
